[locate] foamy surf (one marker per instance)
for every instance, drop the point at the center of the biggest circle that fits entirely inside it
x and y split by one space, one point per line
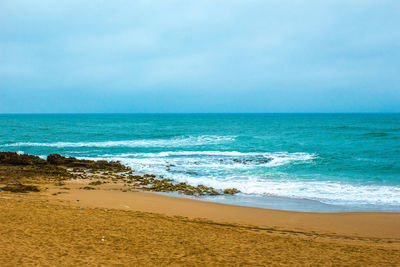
326 159
208 160
219 170
325 192
172 142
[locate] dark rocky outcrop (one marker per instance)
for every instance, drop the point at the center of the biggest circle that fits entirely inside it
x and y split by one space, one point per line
231 191
150 182
57 159
19 169
23 168
14 158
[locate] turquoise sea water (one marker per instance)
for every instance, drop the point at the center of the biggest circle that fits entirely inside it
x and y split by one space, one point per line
310 162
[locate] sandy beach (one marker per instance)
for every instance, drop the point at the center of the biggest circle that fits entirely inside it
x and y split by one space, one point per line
67 212
199 133
109 227
363 224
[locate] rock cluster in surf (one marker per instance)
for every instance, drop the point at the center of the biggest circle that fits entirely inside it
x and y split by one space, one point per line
16 169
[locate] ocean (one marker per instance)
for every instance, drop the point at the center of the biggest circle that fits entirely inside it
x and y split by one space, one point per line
303 162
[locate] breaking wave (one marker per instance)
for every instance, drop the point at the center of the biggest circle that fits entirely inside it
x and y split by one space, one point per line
227 169
172 142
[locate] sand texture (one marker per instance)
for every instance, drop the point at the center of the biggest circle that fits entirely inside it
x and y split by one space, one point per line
384 225
68 212
40 231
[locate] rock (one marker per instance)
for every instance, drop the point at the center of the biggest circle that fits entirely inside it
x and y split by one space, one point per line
23 159
264 160
57 159
231 191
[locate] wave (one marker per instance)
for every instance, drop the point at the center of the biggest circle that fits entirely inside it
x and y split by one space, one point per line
217 158
172 142
205 167
222 175
187 153
216 165
327 192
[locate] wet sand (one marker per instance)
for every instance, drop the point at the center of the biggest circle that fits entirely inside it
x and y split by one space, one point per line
363 224
148 229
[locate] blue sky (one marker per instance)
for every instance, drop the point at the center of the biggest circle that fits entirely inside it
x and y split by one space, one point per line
199 56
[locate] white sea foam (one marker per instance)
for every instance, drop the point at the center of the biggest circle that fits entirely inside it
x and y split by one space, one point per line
323 191
216 157
172 142
328 192
213 163
208 161
211 172
187 153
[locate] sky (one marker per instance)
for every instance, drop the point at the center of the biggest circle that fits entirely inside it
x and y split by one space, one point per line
70 56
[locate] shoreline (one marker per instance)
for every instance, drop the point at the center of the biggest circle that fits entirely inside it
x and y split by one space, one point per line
39 229
286 203
106 184
72 168
384 225
55 215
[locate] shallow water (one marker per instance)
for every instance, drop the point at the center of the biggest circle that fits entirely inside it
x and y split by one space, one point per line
309 162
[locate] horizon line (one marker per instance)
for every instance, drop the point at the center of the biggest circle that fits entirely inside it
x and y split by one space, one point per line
186 113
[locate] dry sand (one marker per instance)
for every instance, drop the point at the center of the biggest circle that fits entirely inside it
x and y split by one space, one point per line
140 229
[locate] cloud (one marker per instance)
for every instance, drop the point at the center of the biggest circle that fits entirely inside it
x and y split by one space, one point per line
150 49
